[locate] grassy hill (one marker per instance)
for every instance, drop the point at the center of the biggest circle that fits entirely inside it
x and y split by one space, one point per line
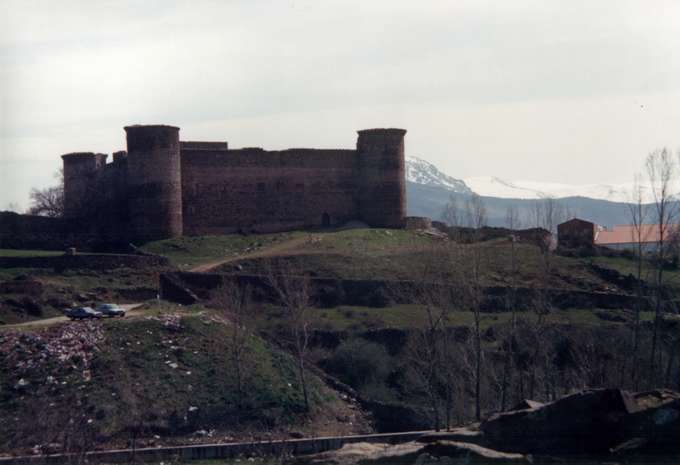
167 373
555 352
370 254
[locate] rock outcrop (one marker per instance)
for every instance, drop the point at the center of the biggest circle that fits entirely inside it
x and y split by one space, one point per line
594 426
590 422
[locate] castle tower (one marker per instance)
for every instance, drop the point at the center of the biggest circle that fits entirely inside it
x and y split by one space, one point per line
154 182
80 171
382 177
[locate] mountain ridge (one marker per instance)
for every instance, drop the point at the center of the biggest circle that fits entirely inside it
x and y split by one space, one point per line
420 171
428 190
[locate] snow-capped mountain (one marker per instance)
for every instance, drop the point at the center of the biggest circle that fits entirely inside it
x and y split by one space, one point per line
420 171
491 186
428 190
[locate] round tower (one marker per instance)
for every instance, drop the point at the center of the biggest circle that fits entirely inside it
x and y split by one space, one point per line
382 177
154 182
80 172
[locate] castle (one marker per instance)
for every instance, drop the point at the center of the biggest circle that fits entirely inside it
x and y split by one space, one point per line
162 187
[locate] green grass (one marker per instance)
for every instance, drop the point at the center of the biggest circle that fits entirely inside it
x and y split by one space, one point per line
628 266
134 379
30 253
352 318
188 251
375 254
623 265
87 280
367 242
7 274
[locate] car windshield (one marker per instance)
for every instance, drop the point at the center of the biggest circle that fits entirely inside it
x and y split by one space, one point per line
108 306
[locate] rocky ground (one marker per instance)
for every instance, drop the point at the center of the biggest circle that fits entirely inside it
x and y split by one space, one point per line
596 426
157 379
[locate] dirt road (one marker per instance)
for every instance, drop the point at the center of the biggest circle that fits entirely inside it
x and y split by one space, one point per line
129 311
275 250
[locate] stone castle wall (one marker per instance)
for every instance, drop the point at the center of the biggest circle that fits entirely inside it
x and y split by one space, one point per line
254 190
382 179
163 187
154 182
44 233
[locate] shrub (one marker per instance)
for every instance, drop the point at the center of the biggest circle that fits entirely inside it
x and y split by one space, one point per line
347 313
332 295
31 307
379 298
359 363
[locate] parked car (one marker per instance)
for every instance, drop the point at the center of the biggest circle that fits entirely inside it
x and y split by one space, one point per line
81 313
110 310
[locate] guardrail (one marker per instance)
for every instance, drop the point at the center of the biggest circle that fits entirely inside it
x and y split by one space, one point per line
218 451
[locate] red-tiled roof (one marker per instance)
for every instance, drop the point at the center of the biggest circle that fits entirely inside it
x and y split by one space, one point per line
625 234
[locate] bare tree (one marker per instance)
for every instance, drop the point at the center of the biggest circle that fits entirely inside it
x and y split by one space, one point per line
512 223
47 202
451 214
475 212
293 290
469 264
549 214
637 214
50 200
235 303
430 347
661 169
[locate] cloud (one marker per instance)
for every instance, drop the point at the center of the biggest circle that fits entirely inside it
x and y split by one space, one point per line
473 81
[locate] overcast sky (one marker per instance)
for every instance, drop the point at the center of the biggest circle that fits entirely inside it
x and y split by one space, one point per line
564 91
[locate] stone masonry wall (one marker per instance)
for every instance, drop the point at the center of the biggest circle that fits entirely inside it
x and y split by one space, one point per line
154 182
163 187
40 232
254 190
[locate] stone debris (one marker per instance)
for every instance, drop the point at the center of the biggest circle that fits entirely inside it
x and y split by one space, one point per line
364 452
21 384
170 321
201 433
72 345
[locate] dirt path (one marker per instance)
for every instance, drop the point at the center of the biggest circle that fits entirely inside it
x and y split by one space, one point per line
130 310
277 249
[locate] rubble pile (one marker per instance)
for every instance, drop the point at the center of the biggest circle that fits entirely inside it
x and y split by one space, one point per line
70 346
170 321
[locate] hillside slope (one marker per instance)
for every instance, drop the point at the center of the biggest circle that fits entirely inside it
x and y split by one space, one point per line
168 375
